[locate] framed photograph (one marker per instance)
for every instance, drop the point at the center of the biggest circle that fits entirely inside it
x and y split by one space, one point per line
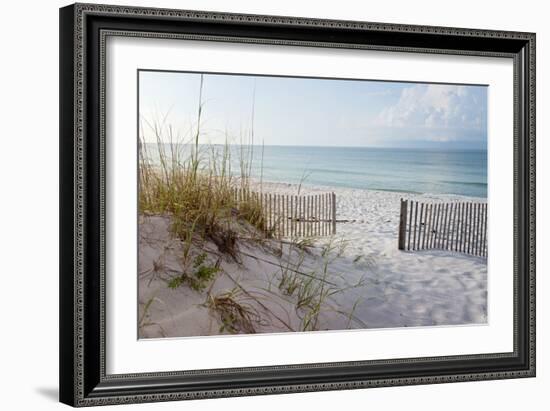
262 204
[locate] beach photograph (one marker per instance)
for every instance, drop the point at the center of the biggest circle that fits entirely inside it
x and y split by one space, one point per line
273 204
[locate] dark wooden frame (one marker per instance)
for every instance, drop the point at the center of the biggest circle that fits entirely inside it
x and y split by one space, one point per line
83 29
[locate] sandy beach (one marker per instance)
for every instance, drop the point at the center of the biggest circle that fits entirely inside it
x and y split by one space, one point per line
367 281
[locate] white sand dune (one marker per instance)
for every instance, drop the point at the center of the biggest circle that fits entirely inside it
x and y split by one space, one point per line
380 285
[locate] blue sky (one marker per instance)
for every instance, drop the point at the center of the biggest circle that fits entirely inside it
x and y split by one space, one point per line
314 112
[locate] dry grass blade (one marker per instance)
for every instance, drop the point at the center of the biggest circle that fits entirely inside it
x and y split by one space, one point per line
235 315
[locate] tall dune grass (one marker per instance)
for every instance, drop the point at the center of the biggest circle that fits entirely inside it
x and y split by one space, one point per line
194 183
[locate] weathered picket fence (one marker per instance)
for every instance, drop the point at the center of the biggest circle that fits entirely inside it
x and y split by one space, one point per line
455 226
286 215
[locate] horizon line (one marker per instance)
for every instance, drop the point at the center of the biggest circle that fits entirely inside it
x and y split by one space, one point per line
321 146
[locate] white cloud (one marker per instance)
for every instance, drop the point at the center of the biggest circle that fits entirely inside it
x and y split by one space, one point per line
437 112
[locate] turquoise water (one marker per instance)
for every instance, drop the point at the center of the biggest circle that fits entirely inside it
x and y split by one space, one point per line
461 172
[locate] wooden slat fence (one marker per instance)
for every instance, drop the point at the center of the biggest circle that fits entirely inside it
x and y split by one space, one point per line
455 226
285 215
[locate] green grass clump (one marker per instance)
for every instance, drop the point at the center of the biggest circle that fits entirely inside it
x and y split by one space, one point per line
200 277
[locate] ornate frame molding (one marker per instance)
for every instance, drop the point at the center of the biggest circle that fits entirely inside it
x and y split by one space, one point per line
82 387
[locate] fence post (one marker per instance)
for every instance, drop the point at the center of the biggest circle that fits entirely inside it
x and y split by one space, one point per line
333 196
402 225
418 246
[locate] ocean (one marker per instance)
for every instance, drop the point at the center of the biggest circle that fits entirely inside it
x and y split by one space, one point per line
460 172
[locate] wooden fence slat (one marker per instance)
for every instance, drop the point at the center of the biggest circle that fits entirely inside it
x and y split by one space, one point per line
449 242
410 227
479 228
318 213
270 212
275 226
432 226
323 215
420 226
274 213
483 225
325 212
469 227
482 222
278 213
426 226
293 216
314 215
461 241
482 213
473 228
465 239
437 227
310 217
459 227
289 216
474 222
452 215
457 236
445 228
280 219
303 217
306 215
442 229
456 229
333 213
325 199
402 225
443 225
300 216
266 211
415 222
448 231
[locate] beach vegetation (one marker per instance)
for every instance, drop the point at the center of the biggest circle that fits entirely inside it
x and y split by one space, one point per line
235 314
200 277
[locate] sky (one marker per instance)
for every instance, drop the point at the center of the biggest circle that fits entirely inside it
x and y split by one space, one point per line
312 112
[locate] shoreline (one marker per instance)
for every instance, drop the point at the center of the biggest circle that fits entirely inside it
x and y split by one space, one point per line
305 188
